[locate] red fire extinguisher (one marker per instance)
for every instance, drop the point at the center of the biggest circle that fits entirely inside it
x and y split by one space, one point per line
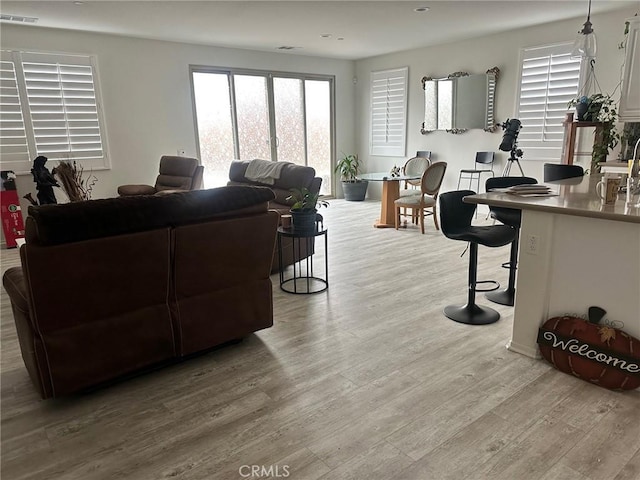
12 223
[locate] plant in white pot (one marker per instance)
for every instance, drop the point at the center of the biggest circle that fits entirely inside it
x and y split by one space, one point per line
305 208
348 167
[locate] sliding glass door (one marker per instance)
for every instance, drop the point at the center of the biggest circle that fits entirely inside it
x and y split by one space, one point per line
246 115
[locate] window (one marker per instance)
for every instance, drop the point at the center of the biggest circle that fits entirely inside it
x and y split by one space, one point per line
49 105
389 112
549 79
13 137
247 114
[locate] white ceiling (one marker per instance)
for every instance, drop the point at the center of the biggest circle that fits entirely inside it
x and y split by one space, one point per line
358 29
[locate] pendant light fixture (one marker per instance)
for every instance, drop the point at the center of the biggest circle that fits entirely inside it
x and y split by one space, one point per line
585 44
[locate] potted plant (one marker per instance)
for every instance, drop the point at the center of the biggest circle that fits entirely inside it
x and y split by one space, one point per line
305 208
599 108
348 167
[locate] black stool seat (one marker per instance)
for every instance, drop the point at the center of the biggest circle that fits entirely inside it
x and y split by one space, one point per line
513 218
455 219
490 236
556 171
508 216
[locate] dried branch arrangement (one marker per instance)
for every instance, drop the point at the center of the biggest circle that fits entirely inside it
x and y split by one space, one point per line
72 181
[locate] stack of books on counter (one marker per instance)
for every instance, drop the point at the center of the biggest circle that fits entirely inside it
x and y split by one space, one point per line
535 190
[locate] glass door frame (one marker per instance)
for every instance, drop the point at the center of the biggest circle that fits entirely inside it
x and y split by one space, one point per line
269 75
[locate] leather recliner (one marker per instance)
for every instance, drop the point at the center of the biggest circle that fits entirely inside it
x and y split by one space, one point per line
176 174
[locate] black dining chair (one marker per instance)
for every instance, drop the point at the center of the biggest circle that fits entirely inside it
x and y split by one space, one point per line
483 164
560 171
455 222
511 217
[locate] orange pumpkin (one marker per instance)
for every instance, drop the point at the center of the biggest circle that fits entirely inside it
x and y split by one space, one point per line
600 354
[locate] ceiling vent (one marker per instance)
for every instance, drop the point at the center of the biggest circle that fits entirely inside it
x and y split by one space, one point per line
286 47
17 18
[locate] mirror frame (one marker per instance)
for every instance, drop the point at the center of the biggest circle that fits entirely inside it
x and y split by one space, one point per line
495 71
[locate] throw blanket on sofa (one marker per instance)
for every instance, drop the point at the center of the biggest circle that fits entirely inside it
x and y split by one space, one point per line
263 171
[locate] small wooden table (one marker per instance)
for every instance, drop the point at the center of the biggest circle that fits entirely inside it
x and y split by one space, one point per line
570 135
390 193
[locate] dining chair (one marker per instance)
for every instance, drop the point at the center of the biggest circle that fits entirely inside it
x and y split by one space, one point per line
483 164
427 198
415 166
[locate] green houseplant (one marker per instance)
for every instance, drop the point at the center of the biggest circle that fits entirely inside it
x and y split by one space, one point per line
599 108
348 167
305 207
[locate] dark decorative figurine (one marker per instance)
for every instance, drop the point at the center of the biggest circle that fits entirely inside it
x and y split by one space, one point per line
44 182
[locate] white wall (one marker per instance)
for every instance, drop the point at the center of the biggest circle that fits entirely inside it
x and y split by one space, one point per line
146 94
476 56
148 110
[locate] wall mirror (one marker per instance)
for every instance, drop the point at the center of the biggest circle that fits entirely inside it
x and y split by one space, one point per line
460 102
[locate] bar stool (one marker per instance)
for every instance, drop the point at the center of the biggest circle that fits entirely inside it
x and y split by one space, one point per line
560 171
511 217
455 222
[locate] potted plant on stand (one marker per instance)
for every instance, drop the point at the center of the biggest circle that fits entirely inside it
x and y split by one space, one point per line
305 208
353 188
599 108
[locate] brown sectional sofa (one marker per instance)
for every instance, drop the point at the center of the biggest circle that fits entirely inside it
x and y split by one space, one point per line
291 176
110 287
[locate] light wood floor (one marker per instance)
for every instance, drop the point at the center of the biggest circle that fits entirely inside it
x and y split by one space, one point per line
366 381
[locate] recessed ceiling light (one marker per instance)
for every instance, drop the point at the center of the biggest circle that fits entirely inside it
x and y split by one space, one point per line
421 9
78 3
325 35
286 47
340 38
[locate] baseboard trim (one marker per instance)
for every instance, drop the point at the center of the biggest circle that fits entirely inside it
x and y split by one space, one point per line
524 350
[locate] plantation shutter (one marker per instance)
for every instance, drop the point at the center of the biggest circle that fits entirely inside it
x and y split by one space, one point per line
549 79
14 150
389 112
50 107
62 102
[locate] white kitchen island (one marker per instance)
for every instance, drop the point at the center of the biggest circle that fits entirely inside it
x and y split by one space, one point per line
574 253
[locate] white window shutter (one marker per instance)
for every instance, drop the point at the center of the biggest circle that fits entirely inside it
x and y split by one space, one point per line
389 112
549 79
63 106
14 150
61 118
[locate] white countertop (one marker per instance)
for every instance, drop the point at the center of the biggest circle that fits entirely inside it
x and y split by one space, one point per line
576 196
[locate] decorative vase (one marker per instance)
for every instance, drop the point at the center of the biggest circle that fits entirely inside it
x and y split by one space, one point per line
304 220
581 110
355 191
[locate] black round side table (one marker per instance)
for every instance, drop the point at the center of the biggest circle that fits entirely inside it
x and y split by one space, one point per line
304 279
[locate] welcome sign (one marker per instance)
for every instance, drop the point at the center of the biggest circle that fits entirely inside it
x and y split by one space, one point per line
600 354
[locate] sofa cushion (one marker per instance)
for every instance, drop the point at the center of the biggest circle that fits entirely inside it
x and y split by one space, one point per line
128 190
172 182
72 222
291 175
173 166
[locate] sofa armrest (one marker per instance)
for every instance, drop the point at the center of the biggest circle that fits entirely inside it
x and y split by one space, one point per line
31 347
13 281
